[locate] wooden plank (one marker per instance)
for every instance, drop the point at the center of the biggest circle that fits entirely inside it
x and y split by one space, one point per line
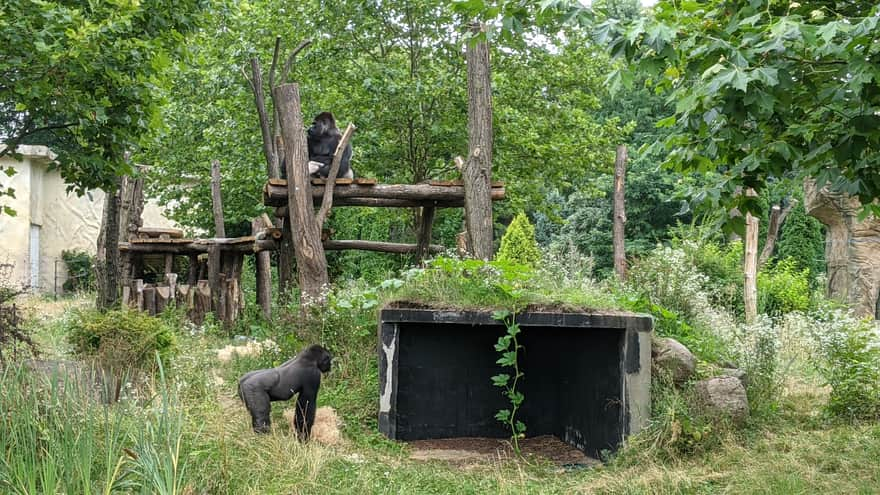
277 195
156 232
384 247
150 300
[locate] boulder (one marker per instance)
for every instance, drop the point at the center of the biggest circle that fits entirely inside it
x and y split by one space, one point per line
724 396
736 373
671 357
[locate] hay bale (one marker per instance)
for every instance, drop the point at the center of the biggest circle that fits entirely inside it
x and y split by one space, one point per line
250 348
326 428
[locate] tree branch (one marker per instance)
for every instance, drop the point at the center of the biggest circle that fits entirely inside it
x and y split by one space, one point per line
292 57
274 62
777 217
327 200
272 169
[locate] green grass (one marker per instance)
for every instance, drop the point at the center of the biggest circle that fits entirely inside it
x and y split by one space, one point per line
190 434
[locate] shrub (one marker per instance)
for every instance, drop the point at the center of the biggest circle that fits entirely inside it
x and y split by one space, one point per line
518 245
80 270
121 339
667 278
849 361
783 289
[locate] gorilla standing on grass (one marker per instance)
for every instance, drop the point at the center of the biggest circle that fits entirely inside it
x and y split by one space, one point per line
301 375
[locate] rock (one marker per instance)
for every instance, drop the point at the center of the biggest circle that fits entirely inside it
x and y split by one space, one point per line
724 396
673 358
736 373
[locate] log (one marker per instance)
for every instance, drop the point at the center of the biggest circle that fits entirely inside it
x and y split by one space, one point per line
164 295
201 302
477 171
264 272
426 224
385 247
777 218
137 294
171 282
201 246
272 168
193 275
217 200
619 213
750 266
214 263
276 195
150 300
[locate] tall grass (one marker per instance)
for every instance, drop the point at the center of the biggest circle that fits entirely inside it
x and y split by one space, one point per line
57 436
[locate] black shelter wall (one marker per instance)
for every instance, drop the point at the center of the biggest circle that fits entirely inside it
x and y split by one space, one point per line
572 383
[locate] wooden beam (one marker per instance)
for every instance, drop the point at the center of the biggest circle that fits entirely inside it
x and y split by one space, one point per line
276 195
384 247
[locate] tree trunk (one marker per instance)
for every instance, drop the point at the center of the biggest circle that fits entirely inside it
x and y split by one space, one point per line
777 218
619 213
425 222
477 172
217 200
107 263
750 266
310 261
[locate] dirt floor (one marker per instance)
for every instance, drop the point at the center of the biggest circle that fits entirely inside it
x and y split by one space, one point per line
475 449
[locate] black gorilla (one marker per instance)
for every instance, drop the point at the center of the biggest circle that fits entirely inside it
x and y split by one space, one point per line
300 375
323 137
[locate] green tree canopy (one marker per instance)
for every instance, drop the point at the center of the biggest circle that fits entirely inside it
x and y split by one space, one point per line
82 77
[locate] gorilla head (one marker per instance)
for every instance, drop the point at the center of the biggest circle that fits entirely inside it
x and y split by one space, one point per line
323 138
320 356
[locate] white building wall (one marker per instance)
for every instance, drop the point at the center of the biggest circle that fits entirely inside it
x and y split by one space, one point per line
66 221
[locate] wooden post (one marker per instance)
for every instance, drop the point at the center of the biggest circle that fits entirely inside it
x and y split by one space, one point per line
750 266
426 223
272 168
619 213
193 275
477 172
150 300
264 272
311 265
285 260
169 264
216 199
214 277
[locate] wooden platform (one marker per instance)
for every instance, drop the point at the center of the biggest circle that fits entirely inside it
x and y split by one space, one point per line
247 244
433 194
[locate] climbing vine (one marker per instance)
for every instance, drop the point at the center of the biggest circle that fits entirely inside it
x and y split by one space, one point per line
508 345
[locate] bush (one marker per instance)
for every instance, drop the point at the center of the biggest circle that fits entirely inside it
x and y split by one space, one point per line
121 339
783 289
518 245
849 361
668 278
80 270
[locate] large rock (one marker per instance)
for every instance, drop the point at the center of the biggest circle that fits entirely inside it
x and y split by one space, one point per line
852 253
671 357
724 396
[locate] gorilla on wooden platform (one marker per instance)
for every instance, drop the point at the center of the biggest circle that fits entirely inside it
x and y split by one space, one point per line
300 375
323 138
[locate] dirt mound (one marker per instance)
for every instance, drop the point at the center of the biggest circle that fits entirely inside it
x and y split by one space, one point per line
471 449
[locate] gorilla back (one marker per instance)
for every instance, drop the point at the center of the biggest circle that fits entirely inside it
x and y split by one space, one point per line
323 138
300 375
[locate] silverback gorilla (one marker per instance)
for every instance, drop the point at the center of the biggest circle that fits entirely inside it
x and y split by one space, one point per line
323 138
300 375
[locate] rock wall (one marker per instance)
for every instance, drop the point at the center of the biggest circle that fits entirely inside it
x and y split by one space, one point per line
852 248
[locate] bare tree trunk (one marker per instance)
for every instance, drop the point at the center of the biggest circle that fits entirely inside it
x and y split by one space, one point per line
217 200
777 217
310 261
750 266
619 213
477 172
272 167
131 211
107 263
